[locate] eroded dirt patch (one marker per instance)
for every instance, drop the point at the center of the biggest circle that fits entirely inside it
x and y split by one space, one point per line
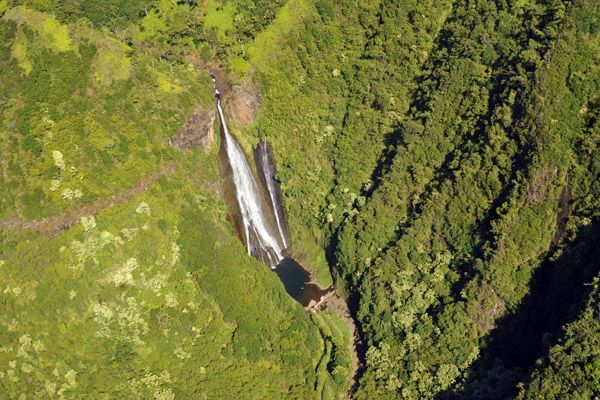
243 104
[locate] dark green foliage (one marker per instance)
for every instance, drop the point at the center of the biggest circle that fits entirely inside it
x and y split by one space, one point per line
439 157
572 367
32 145
162 225
449 184
325 8
434 158
107 159
111 13
32 203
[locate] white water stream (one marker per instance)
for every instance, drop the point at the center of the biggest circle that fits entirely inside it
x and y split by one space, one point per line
269 173
264 241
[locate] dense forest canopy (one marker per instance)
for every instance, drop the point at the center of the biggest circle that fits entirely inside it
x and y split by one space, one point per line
438 162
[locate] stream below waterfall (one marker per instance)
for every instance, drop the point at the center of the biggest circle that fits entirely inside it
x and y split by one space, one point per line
258 214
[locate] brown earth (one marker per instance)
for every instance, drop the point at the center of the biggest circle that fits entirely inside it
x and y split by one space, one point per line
243 104
52 226
541 184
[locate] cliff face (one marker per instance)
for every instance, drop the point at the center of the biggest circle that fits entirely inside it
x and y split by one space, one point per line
243 103
198 130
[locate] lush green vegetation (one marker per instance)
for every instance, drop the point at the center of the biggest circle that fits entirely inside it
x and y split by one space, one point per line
572 367
120 276
78 108
442 146
120 308
439 161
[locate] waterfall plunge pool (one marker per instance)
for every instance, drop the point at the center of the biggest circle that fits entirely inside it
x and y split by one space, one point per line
296 281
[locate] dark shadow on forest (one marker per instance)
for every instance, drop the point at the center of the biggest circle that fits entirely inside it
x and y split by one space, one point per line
558 295
394 139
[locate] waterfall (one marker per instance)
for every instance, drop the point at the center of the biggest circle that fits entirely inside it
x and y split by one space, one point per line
266 169
263 239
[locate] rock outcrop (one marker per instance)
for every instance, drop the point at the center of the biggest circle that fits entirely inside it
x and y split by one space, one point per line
198 130
243 103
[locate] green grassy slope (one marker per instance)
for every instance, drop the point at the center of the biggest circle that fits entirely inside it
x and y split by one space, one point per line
438 158
151 295
80 108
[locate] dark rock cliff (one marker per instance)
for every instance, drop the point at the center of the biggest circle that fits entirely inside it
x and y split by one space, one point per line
198 129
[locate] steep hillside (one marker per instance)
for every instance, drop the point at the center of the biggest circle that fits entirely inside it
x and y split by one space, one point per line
438 162
120 276
441 161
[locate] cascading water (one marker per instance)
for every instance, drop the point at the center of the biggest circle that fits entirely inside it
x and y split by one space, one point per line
263 239
266 169
262 220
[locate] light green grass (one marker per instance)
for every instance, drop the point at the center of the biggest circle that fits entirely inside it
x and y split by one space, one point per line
239 66
266 43
220 17
52 33
20 52
111 64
